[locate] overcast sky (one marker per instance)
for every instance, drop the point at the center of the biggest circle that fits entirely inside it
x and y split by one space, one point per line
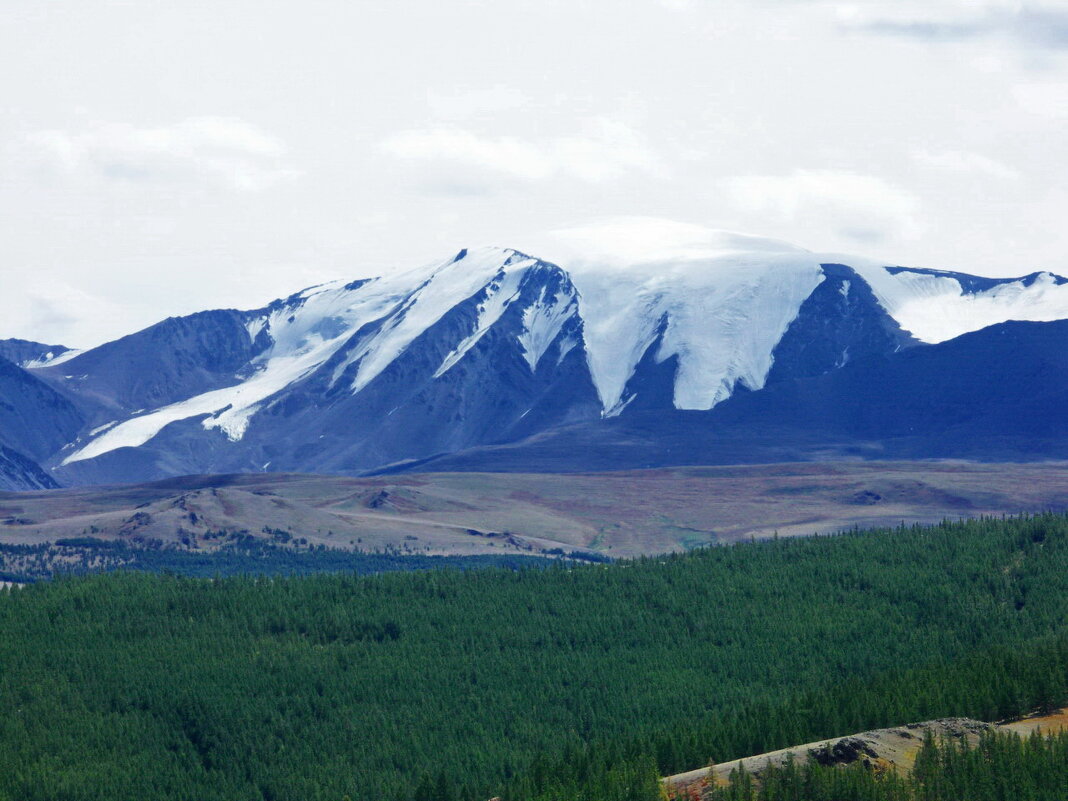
159 157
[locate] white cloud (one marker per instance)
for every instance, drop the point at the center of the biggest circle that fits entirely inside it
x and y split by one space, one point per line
677 5
1043 99
464 103
220 150
505 154
55 311
606 149
859 207
630 240
721 89
965 162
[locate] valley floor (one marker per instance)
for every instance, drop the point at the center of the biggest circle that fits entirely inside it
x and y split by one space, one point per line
617 514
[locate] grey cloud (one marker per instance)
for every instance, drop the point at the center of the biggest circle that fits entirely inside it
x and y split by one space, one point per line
924 30
866 236
1027 26
1046 28
222 150
48 314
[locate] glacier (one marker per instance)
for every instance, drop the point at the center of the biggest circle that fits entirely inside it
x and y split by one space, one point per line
725 310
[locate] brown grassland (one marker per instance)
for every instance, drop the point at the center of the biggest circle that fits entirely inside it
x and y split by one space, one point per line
619 514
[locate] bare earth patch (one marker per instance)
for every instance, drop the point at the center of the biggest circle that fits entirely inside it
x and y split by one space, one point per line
882 749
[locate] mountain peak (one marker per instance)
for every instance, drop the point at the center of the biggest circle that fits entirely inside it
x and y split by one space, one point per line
31 354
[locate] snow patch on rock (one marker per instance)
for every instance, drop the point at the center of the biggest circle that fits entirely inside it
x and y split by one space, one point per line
542 322
935 307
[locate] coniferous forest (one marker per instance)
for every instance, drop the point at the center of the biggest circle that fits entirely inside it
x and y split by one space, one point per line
563 682
245 556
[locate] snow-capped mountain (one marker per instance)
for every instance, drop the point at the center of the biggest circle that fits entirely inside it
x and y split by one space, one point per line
345 376
492 345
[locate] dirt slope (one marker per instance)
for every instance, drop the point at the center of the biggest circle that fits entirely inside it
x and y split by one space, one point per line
894 748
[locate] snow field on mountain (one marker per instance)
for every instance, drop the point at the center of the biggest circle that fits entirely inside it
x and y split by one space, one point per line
426 297
305 335
310 329
725 311
935 308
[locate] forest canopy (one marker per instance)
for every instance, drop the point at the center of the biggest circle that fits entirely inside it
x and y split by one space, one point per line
573 681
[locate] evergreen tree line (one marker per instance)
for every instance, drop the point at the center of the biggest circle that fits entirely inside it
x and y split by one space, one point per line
576 681
242 555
